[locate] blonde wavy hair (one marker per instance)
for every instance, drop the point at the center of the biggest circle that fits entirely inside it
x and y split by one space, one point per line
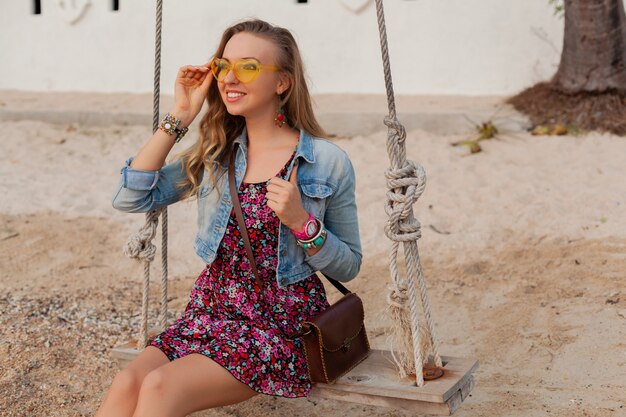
218 128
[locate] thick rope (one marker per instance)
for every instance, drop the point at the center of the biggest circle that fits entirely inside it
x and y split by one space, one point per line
155 126
140 246
406 181
164 271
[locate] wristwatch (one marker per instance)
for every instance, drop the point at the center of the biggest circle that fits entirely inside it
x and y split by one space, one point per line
309 230
317 240
170 124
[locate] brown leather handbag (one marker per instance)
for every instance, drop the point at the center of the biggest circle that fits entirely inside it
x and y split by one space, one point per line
335 340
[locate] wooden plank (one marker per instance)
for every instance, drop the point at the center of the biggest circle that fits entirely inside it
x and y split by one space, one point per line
377 375
419 407
375 382
455 401
468 387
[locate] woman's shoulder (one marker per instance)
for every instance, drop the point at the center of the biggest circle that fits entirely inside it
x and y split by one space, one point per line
327 149
331 161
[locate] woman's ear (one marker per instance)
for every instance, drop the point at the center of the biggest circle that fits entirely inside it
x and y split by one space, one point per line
283 83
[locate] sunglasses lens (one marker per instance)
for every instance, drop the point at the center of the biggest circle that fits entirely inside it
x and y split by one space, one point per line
220 68
246 70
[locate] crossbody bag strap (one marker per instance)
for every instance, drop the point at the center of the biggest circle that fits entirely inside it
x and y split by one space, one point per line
337 284
240 220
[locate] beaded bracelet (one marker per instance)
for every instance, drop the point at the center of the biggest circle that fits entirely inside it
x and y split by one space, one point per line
169 124
316 240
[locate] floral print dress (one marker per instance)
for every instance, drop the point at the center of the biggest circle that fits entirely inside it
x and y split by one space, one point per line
226 319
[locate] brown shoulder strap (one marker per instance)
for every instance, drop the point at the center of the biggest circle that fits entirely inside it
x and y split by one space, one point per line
240 220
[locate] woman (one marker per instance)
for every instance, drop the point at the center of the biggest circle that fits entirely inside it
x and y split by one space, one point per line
230 342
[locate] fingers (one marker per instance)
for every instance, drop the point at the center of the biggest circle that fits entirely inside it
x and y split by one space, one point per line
196 72
194 68
276 183
292 177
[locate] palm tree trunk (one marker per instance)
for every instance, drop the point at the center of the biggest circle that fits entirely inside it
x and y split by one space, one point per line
594 47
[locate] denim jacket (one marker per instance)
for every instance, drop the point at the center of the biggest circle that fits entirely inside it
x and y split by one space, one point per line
326 181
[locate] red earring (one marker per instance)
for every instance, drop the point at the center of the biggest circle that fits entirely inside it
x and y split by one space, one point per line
279 120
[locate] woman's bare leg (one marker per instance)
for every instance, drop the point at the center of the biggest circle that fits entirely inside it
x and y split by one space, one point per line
121 398
192 383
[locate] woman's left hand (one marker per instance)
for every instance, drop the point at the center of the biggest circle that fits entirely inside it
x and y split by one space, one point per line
284 198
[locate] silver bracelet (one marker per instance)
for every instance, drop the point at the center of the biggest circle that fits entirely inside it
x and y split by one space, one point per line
319 242
319 232
316 240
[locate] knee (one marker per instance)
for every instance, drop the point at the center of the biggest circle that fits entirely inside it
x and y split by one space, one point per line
126 382
154 384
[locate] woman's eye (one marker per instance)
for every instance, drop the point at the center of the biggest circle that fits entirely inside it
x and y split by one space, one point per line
249 67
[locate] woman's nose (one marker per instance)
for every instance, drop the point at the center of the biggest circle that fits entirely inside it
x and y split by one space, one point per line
230 78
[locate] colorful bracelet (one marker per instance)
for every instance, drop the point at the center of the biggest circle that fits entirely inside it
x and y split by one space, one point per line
319 241
169 124
316 240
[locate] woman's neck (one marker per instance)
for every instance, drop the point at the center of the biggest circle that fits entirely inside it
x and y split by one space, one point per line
264 134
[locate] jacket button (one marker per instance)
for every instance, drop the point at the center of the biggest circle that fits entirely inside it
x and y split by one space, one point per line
283 252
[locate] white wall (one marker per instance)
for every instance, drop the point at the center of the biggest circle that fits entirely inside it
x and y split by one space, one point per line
468 47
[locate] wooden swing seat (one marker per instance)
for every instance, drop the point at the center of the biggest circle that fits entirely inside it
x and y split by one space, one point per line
375 382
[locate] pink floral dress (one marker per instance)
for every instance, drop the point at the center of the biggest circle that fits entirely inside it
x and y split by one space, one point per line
226 319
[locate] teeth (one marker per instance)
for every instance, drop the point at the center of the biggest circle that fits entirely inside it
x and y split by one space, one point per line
233 95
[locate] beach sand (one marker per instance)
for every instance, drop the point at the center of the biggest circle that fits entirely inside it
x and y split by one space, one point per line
523 248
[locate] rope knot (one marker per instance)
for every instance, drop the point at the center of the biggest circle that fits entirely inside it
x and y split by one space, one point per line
394 124
397 296
406 184
139 245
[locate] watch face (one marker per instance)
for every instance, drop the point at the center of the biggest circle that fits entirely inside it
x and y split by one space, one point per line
311 228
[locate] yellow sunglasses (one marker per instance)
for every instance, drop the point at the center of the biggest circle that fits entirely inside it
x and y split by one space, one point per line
245 70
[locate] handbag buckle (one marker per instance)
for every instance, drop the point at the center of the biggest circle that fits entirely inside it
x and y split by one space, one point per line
346 345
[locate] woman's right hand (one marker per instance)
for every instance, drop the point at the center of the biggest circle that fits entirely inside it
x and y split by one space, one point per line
190 90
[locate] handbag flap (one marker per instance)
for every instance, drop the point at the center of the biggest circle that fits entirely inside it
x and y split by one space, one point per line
339 323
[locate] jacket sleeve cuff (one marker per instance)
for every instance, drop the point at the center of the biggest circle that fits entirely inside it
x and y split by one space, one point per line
327 253
138 179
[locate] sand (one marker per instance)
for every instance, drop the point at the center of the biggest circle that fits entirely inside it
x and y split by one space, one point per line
523 247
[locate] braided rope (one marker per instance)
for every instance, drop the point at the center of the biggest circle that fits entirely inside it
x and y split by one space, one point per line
140 246
164 271
406 181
